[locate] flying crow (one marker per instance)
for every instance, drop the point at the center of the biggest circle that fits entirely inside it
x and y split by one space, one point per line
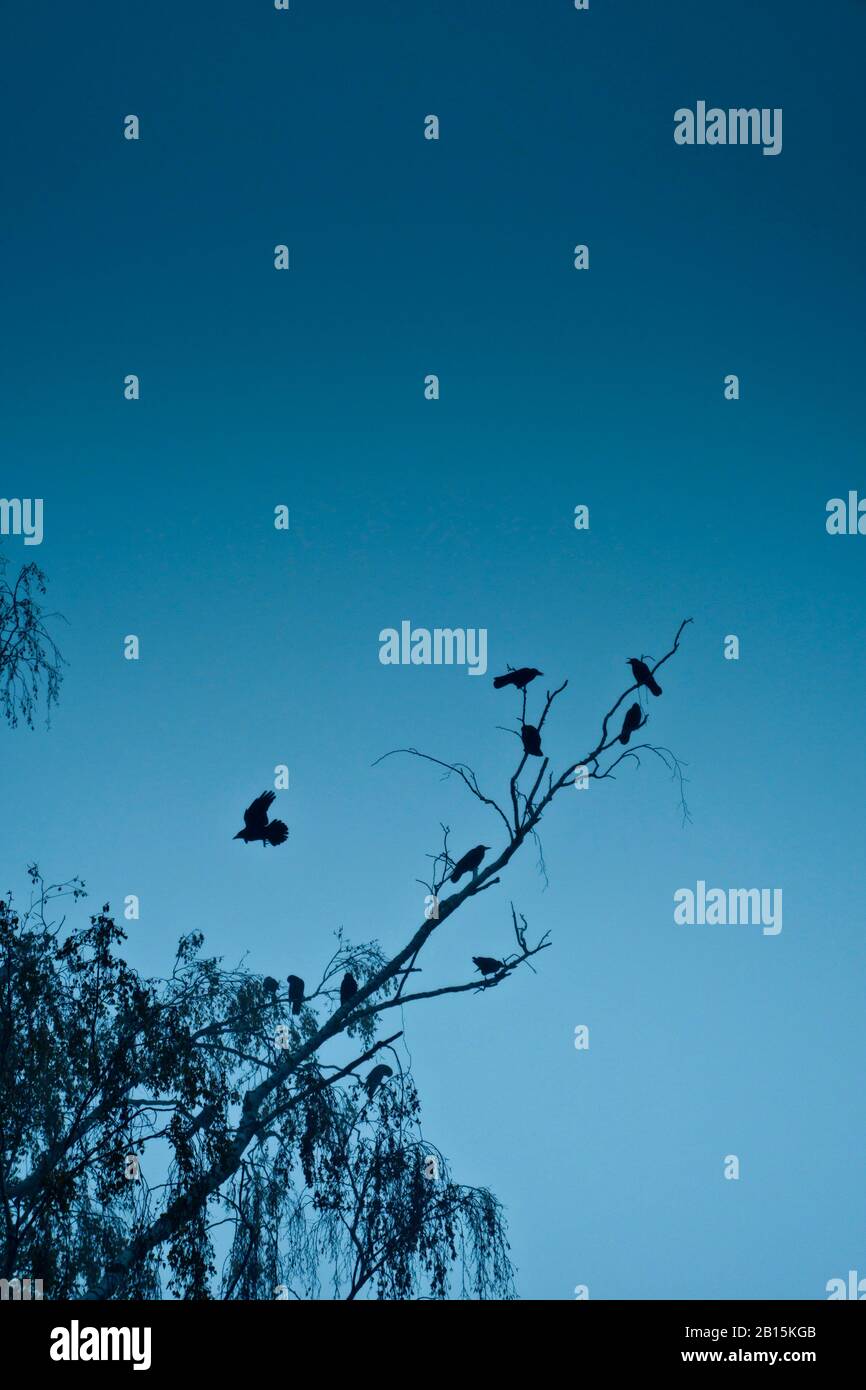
519 678
487 965
296 993
470 861
531 740
643 675
348 987
376 1077
270 984
258 827
630 723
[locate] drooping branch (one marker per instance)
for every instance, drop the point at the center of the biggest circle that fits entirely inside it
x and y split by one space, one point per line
340 1075
671 761
509 966
29 657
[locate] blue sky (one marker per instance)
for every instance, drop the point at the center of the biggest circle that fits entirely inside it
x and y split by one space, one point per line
603 387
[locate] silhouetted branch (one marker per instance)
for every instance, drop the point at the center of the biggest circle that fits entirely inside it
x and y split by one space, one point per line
340 1075
603 744
464 772
670 760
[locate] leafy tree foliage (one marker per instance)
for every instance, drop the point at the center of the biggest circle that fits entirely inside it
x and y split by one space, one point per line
122 1096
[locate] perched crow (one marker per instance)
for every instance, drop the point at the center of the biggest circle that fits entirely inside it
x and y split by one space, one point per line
519 678
630 723
531 740
376 1077
643 675
487 965
296 992
270 984
348 988
258 827
471 860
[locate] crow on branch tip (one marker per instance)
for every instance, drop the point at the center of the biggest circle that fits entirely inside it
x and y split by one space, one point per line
519 678
643 675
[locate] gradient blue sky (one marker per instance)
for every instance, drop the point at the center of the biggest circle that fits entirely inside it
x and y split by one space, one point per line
605 387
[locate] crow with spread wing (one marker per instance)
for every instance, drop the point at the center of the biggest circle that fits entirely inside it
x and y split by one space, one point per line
258 827
488 965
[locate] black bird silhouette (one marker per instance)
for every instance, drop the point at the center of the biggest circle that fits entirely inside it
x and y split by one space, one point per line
270 984
376 1077
296 992
258 827
487 965
630 723
470 861
520 677
531 740
348 987
643 675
